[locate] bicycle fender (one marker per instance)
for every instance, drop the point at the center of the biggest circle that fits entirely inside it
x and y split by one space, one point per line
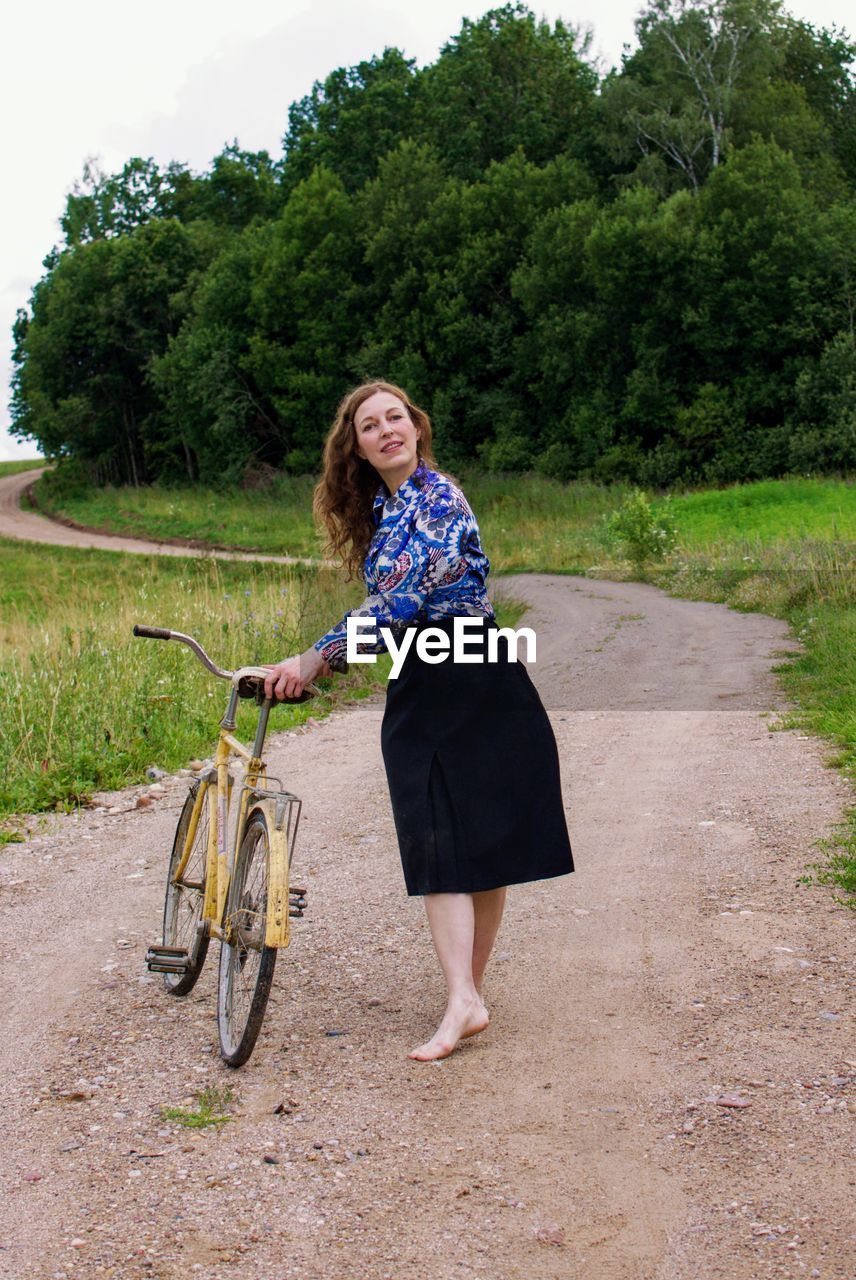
276 928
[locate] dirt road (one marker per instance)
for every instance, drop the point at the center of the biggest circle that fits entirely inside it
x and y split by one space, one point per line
585 1134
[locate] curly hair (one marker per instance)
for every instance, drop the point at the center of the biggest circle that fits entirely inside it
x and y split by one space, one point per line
343 497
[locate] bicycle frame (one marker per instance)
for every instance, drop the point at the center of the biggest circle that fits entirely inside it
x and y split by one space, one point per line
216 791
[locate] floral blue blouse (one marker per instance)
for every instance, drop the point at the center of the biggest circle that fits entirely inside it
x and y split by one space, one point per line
424 562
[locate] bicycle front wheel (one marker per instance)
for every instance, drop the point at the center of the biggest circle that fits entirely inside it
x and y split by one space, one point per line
246 964
183 925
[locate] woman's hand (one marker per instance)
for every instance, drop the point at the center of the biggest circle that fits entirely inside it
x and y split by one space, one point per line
290 677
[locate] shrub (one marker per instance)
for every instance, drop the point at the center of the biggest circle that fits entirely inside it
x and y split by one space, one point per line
641 534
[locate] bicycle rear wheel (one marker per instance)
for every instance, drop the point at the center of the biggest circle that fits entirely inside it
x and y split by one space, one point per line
182 911
246 964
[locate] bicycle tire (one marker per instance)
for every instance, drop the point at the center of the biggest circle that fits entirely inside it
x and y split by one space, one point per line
182 908
246 973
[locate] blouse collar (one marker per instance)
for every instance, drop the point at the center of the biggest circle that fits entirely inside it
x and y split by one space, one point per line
405 491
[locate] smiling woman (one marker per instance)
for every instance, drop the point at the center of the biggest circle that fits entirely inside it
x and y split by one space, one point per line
469 752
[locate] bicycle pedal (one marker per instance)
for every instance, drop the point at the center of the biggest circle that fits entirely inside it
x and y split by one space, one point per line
167 960
297 902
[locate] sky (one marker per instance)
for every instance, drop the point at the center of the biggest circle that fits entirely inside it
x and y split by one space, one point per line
178 79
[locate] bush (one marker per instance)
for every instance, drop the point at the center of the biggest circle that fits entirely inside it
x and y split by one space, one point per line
641 534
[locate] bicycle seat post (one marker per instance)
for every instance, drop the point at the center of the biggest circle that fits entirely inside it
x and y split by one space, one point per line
261 730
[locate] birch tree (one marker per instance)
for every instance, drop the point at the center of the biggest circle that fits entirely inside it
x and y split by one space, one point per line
678 91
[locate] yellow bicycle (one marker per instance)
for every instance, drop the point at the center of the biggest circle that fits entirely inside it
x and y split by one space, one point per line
236 892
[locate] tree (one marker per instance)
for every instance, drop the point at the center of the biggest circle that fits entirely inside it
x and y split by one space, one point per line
351 119
103 205
83 355
678 91
306 314
507 82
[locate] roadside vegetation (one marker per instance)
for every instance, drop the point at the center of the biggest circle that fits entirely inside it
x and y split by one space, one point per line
84 706
19 465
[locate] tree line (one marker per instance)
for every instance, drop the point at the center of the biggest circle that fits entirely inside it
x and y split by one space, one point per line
646 274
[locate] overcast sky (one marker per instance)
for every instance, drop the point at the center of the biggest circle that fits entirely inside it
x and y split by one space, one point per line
176 79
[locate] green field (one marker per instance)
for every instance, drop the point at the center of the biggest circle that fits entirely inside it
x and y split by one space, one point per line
20 464
84 706
275 520
527 521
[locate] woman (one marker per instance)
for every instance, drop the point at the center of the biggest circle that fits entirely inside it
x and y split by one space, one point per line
470 756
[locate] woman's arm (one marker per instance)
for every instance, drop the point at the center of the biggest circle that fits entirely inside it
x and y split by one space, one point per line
432 554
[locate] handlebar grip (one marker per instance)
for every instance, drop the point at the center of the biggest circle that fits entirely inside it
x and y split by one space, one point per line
152 633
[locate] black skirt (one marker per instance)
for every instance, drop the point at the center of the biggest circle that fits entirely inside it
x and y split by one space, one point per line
473 773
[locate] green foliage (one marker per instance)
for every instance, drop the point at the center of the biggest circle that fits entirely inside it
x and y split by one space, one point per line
508 82
352 119
642 534
209 1110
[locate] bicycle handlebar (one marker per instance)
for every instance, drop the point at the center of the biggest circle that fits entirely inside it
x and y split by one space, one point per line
152 633
247 674
162 633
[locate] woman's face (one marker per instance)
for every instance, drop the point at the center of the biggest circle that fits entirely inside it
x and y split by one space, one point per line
386 437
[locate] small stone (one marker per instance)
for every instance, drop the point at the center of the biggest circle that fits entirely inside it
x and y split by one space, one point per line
730 1100
373 1003
142 802
270 1160
33 1177
155 773
550 1235
157 789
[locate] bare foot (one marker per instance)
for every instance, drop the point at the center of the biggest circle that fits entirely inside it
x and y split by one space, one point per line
462 1018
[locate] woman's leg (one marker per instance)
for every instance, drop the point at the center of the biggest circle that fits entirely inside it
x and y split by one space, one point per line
488 907
452 918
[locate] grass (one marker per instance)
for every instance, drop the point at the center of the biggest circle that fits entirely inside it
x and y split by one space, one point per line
209 1110
767 513
528 522
84 706
273 520
19 465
